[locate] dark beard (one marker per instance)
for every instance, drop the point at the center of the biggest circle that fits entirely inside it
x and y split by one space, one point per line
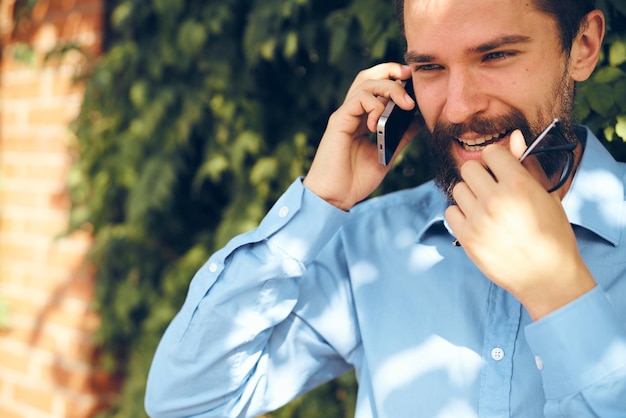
445 172
443 136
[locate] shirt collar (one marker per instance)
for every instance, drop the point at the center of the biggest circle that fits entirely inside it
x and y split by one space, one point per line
596 195
594 200
436 222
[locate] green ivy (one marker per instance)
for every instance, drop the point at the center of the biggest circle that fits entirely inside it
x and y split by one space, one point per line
199 114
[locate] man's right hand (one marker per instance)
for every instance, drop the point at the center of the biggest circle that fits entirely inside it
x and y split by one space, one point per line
345 169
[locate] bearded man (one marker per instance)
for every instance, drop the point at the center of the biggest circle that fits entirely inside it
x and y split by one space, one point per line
524 316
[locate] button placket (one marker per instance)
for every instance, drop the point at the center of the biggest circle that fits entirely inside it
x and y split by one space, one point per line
502 325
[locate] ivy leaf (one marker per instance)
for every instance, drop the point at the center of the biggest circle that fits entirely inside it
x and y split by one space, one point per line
138 93
191 37
263 170
620 127
617 53
601 98
620 94
291 45
608 75
153 189
121 14
170 9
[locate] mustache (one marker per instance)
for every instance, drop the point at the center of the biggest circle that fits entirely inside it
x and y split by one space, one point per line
445 132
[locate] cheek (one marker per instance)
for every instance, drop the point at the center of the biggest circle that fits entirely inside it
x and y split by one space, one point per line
430 101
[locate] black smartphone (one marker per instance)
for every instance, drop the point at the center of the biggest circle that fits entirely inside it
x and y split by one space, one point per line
392 125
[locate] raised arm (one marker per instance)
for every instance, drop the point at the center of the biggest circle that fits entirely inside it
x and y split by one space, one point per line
253 332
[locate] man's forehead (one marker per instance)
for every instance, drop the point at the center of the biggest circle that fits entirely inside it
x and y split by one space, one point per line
472 23
455 10
444 4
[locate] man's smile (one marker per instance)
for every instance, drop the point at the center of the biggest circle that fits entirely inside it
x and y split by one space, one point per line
480 142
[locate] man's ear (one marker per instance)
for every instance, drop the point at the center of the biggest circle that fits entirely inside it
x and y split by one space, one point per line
586 47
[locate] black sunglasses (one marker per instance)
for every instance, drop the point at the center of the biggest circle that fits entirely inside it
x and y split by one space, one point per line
566 148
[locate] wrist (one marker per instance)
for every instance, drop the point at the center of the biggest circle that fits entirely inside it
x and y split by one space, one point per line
557 294
324 193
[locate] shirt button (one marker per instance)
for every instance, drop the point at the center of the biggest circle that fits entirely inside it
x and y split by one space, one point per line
283 212
497 354
213 267
539 362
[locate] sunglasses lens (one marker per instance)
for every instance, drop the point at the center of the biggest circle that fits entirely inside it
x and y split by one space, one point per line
555 155
557 181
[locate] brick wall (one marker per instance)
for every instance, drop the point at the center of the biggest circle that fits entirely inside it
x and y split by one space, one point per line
46 355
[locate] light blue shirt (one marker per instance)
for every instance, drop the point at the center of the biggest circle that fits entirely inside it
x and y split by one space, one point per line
315 291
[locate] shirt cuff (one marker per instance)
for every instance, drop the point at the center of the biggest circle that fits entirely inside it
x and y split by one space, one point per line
578 344
301 223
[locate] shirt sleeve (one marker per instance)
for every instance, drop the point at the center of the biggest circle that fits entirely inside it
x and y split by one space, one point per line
238 346
580 351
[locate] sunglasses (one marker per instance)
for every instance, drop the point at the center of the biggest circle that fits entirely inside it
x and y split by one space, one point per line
562 153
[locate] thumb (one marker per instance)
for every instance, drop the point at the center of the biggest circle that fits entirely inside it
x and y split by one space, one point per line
517 144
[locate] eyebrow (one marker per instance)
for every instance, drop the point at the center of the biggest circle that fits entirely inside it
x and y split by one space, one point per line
415 58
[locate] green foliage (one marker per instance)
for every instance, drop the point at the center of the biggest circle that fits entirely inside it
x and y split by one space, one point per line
195 119
601 100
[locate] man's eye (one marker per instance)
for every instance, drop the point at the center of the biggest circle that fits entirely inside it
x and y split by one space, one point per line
496 56
427 67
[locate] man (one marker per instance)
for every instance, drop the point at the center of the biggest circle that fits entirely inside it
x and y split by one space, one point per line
525 317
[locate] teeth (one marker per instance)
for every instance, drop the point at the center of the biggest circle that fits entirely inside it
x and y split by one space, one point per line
479 141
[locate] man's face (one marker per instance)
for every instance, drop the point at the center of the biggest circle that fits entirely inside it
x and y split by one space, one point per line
482 68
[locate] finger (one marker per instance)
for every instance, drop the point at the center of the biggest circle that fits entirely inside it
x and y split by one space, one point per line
502 163
464 197
531 163
384 90
361 106
533 166
456 220
366 100
517 144
384 71
477 178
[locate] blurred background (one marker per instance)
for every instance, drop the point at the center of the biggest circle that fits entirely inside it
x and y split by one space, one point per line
138 136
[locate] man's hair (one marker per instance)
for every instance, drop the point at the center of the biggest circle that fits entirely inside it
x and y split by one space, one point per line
569 15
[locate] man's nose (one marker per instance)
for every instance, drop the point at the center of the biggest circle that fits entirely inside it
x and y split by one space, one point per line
464 98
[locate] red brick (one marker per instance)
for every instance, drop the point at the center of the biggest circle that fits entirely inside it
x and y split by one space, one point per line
59 341
53 142
81 406
65 84
47 281
57 113
5 412
29 226
11 251
16 362
35 166
23 88
75 378
38 397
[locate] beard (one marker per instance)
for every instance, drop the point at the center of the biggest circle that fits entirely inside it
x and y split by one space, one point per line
444 135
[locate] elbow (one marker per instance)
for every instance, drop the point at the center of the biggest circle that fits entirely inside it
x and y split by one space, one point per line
161 399
155 405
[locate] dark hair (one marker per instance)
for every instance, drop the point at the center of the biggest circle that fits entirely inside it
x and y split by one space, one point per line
569 15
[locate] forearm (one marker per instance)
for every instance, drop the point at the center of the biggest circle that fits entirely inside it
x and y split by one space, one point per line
581 353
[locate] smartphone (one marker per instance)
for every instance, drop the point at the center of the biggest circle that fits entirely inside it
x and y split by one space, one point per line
392 125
